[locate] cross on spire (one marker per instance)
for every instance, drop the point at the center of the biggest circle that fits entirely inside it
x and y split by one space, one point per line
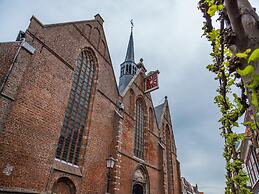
130 50
132 25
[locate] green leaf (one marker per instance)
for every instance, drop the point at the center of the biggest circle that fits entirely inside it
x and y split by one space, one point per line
242 55
254 56
238 101
249 69
220 7
212 10
235 124
214 34
255 82
248 51
254 100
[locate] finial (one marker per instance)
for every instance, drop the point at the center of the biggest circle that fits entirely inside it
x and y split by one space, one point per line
132 25
141 60
165 97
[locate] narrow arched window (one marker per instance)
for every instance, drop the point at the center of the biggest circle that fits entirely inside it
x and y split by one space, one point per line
134 70
139 130
151 119
122 70
130 67
76 112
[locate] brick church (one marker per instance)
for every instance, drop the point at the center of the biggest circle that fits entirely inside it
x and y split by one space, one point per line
62 115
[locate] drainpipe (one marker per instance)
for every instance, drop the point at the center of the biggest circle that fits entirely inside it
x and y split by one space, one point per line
12 65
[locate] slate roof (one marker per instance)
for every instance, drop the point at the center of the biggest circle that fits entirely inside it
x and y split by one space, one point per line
158 112
130 50
128 63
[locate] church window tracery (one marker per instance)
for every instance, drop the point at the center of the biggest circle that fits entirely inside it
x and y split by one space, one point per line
139 130
76 112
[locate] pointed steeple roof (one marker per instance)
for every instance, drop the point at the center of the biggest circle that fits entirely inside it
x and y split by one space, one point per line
128 67
161 109
130 50
158 112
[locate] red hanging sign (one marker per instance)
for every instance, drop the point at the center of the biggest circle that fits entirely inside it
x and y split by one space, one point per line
151 81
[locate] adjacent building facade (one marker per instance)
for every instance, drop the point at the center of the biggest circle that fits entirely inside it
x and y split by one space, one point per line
249 154
62 115
188 188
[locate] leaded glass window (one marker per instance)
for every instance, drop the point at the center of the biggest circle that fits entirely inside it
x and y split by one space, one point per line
139 130
72 131
252 167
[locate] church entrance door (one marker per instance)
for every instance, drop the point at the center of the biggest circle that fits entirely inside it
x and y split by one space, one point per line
138 189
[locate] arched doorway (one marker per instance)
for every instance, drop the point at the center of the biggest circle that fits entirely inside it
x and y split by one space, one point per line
138 189
140 182
63 186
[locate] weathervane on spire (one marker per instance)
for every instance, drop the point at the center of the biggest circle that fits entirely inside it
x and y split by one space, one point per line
132 25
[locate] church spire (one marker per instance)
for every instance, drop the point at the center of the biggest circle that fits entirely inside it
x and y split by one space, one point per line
130 50
128 67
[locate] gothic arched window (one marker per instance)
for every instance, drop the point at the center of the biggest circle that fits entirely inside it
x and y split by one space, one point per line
71 136
139 130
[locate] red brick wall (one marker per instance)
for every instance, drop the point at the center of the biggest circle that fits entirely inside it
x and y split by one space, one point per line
38 90
176 179
33 125
129 162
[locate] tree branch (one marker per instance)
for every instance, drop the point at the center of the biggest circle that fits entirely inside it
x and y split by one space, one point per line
233 13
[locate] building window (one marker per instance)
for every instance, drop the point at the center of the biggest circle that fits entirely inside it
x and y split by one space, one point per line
151 119
122 70
72 131
252 167
127 70
139 130
134 70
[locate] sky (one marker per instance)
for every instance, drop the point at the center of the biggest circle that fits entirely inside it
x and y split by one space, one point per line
167 35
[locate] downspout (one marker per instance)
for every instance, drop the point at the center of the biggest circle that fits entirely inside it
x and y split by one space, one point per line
11 67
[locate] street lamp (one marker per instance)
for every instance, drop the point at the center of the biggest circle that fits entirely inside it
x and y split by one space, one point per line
109 164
